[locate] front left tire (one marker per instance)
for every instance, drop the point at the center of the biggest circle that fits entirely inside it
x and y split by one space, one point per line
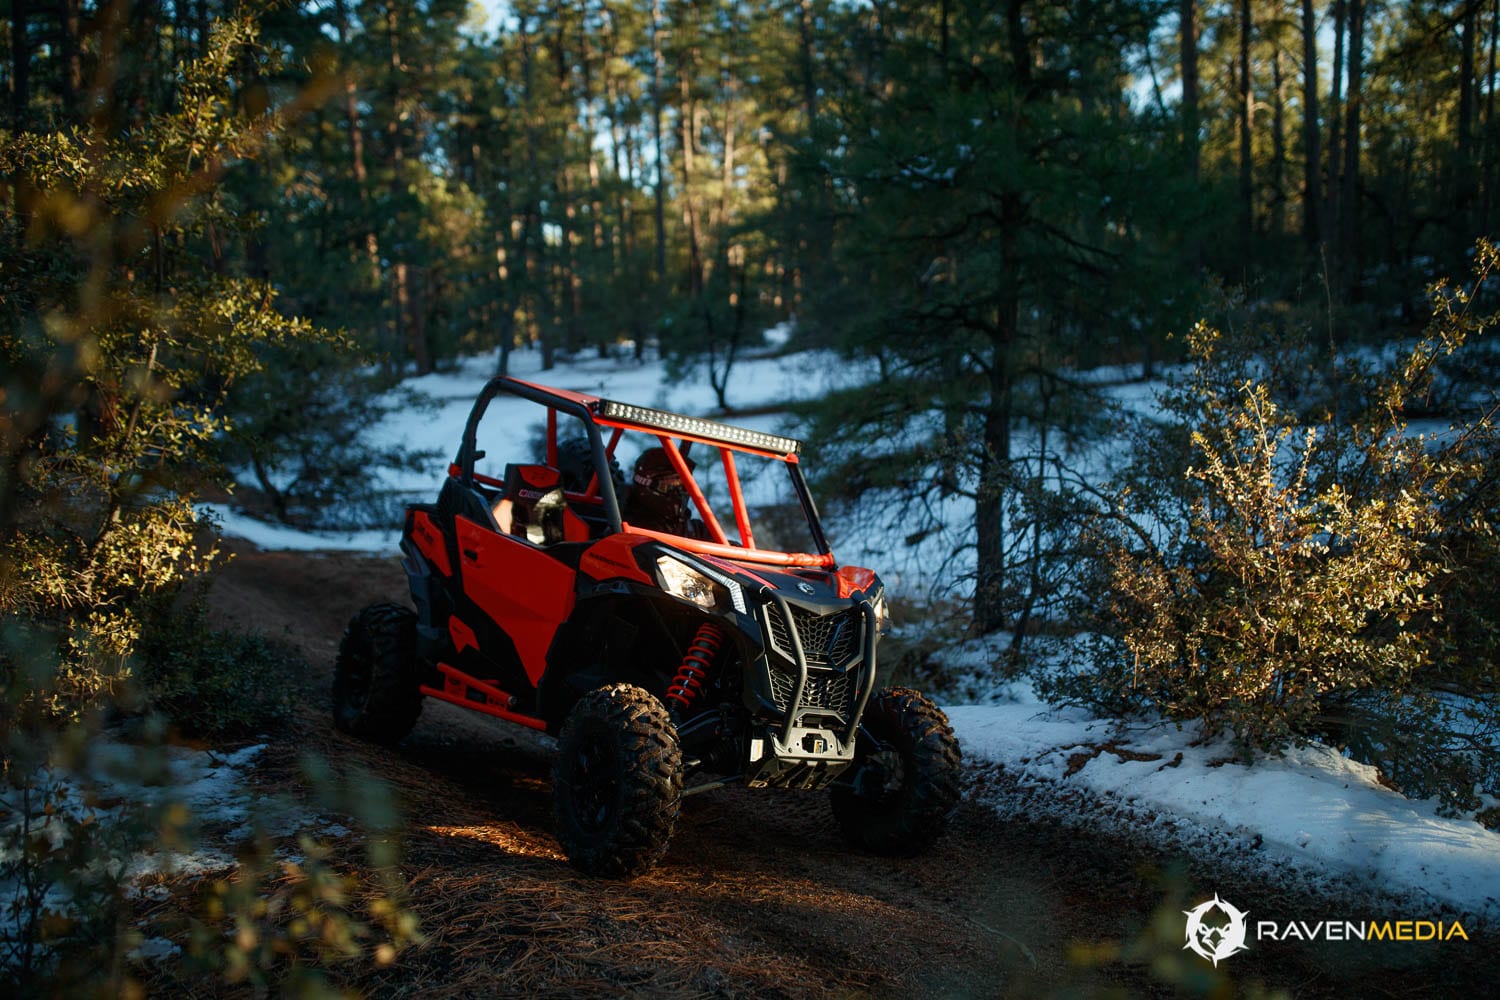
617 782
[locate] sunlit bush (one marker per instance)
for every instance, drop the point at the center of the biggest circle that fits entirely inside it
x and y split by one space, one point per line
1284 570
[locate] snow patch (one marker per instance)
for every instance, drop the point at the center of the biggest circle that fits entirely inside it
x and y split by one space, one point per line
154 949
1311 810
269 536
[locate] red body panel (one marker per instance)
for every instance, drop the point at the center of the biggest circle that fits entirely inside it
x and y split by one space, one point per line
463 636
522 589
429 541
801 559
731 567
611 558
852 578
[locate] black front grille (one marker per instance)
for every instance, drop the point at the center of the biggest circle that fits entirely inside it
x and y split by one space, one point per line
828 691
827 640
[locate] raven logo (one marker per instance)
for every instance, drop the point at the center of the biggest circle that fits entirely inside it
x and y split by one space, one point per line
1216 941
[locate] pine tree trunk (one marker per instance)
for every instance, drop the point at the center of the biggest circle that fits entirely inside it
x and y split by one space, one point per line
1188 29
686 116
406 329
20 66
567 281
1278 146
815 231
1335 125
1246 110
572 285
72 63
1312 167
1349 195
200 21
356 139
726 168
659 193
1464 180
1469 22
994 472
1488 174
531 245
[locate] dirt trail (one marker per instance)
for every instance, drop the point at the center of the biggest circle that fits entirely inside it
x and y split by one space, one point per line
757 896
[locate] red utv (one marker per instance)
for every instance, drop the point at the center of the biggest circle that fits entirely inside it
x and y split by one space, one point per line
666 654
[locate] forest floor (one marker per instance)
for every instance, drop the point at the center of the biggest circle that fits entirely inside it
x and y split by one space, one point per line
757 895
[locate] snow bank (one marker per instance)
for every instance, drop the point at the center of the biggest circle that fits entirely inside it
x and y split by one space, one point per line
1312 810
269 536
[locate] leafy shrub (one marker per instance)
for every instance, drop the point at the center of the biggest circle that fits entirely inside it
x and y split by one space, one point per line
1285 568
210 681
119 346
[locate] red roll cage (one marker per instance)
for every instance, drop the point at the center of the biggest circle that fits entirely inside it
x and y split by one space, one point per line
669 429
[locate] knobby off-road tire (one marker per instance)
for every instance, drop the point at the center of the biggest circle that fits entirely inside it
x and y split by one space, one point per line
617 783
901 797
375 694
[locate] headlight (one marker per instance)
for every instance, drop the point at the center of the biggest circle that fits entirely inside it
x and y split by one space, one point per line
880 610
682 580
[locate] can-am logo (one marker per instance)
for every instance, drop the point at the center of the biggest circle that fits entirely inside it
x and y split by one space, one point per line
1216 937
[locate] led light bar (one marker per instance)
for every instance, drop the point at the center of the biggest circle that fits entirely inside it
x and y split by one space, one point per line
710 430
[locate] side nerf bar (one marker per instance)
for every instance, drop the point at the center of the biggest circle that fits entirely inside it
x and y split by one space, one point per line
469 692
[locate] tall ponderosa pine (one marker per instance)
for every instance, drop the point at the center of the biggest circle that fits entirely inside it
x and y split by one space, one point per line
992 201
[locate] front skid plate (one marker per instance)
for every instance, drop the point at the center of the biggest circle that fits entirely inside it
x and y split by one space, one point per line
813 758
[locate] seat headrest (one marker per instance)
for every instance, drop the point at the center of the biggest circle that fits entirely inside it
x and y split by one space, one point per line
529 483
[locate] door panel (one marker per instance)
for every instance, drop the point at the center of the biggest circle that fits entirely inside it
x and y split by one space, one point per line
520 587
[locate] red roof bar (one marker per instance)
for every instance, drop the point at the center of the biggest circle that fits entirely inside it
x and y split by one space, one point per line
734 554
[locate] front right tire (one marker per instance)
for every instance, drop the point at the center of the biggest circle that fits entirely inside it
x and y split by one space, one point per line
617 782
906 779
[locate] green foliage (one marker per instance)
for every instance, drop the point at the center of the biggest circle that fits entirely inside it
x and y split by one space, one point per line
1323 573
119 351
124 330
78 574
70 833
1295 587
212 682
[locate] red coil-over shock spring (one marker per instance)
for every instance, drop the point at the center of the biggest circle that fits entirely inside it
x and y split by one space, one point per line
694 670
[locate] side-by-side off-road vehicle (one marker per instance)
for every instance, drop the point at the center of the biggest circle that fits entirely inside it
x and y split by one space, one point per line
666 655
